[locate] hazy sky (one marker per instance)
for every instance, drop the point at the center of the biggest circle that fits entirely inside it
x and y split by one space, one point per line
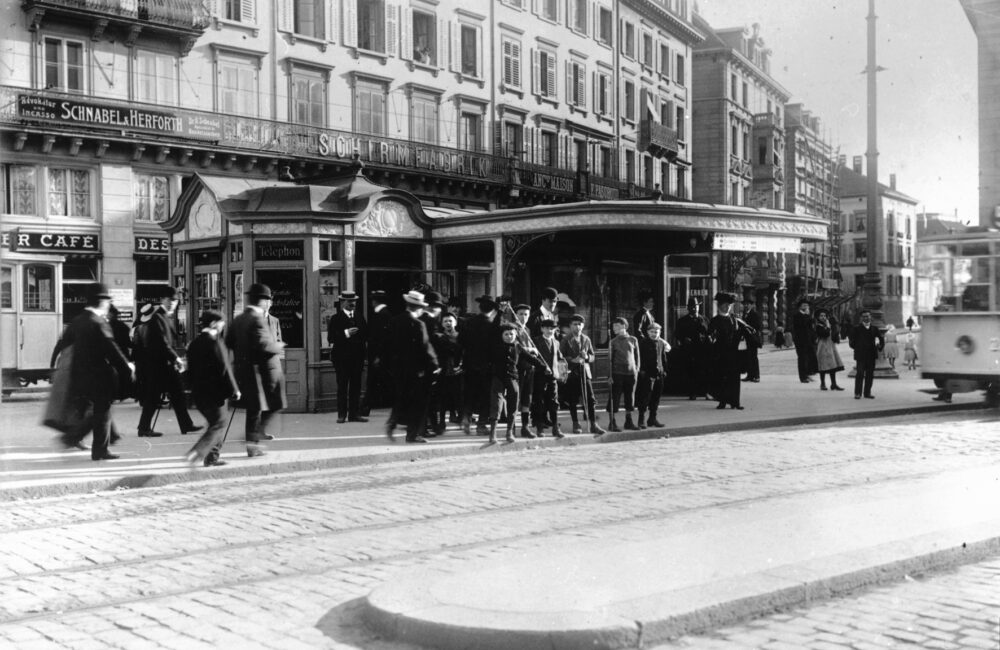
927 115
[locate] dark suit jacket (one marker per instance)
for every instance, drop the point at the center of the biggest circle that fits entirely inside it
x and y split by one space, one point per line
155 356
478 338
550 354
256 362
97 362
866 343
378 333
753 319
652 356
348 350
640 321
209 373
410 353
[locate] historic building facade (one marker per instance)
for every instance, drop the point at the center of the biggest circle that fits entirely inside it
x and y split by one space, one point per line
354 144
812 187
982 15
739 150
897 242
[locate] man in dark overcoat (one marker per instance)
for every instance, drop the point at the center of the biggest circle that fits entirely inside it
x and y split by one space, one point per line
257 366
348 334
378 391
691 334
412 362
644 315
751 360
866 341
804 338
212 383
724 333
98 367
478 338
159 367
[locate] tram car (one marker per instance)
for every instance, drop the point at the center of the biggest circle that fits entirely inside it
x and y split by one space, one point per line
31 318
960 334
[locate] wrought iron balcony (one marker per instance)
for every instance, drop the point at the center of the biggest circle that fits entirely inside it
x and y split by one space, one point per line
658 140
185 20
767 120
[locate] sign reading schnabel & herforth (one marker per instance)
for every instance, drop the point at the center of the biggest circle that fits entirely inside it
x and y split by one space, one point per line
37 107
723 241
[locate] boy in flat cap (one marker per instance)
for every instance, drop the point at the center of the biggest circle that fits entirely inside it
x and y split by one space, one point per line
505 380
578 350
624 360
545 311
546 388
652 369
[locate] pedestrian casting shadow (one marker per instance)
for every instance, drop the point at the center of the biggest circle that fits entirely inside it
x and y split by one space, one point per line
345 624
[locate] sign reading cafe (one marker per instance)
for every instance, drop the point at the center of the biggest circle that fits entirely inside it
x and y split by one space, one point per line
47 242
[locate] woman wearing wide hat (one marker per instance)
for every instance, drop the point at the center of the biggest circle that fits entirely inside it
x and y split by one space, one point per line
725 332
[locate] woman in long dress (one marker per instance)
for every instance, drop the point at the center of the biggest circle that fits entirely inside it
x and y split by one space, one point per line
891 350
827 357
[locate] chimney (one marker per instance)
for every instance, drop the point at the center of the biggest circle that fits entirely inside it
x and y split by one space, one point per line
892 181
857 164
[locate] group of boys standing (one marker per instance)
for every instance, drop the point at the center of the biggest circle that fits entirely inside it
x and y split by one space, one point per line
433 365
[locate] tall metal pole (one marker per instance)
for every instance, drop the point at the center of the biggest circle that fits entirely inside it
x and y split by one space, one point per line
871 298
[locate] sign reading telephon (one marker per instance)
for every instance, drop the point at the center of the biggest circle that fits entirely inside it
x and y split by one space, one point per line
36 107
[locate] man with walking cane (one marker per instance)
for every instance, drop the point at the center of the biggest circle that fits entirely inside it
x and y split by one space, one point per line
212 382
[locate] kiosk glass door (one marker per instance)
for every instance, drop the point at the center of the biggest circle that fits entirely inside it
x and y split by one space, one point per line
688 276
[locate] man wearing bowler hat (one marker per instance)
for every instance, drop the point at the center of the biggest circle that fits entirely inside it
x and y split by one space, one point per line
691 334
159 367
480 335
348 334
257 366
98 365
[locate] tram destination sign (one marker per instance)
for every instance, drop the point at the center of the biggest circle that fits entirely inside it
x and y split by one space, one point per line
71 111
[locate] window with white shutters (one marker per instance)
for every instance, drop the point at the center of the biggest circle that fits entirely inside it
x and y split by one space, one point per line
309 97
371 24
512 63
578 15
602 94
605 26
544 73
664 61
548 9
629 100
424 117
238 85
647 49
308 18
469 50
240 11
156 78
65 68
628 39
576 84
370 108
423 39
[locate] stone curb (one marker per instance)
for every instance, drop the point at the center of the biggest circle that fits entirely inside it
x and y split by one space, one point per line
424 452
408 612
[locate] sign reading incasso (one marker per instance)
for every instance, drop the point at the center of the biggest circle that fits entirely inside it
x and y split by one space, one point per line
37 107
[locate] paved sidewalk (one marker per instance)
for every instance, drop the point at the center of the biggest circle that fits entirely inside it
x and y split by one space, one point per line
34 465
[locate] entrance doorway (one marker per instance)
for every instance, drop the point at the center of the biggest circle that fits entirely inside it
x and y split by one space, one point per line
687 276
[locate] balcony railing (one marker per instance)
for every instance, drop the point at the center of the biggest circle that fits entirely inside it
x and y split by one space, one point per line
176 127
658 139
767 120
184 17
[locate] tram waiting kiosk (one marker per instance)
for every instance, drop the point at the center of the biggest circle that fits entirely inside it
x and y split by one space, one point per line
299 239
309 241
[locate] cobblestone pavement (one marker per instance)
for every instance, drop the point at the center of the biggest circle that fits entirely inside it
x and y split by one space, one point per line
952 610
279 561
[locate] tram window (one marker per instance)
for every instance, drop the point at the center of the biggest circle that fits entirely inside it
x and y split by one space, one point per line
39 287
6 288
976 297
